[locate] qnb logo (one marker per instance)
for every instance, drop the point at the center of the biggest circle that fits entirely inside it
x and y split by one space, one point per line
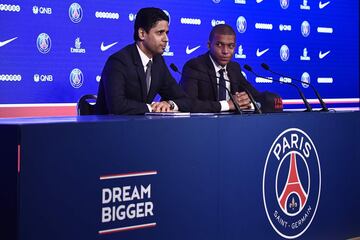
43 43
77 48
283 27
284 4
10 77
291 183
132 17
240 1
241 24
75 13
284 53
264 26
167 51
305 28
305 56
43 78
107 15
305 79
98 78
76 78
240 54
191 21
215 22
285 80
42 10
10 8
304 5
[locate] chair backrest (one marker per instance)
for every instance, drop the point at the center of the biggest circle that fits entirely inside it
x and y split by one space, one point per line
86 105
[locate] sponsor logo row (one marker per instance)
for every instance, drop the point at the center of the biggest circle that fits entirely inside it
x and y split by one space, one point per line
284 4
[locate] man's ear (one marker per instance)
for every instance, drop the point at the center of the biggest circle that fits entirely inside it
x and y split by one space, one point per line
141 33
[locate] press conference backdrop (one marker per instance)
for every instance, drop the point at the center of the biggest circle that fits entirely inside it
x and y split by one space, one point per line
54 51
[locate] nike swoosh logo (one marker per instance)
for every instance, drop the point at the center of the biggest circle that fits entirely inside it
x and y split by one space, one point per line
191 50
104 48
322 55
260 53
7 41
322 5
259 1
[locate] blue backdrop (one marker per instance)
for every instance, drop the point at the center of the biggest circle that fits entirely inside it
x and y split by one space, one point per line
54 51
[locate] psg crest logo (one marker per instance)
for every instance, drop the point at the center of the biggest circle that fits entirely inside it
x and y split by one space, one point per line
241 24
75 12
291 183
43 43
76 78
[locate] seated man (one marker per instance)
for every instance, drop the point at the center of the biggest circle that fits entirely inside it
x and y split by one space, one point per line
133 76
204 78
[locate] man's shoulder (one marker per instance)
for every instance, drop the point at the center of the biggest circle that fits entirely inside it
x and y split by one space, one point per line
198 61
124 52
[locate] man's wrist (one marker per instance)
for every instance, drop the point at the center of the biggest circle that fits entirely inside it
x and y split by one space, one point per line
172 105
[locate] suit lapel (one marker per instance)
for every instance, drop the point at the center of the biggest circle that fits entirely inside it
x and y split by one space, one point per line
234 85
140 71
212 76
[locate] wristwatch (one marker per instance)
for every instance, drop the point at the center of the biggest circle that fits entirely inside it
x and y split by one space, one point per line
172 105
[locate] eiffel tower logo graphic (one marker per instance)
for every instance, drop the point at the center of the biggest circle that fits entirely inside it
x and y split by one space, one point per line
293 185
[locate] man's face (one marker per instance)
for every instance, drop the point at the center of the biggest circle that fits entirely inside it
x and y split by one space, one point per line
156 39
222 48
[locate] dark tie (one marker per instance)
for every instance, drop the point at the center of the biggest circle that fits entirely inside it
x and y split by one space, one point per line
148 75
222 86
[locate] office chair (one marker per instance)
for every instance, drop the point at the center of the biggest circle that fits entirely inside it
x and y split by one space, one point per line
86 105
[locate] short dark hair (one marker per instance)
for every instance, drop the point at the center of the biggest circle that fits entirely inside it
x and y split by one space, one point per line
146 18
222 29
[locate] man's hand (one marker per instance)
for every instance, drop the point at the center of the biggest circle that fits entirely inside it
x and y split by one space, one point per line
160 106
242 99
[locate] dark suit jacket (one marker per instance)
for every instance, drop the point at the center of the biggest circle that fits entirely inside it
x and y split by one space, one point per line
199 82
122 89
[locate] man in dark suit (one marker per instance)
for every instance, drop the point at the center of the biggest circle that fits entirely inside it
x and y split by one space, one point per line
133 76
204 78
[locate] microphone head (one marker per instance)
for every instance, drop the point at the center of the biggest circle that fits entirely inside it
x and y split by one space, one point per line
265 66
174 67
247 67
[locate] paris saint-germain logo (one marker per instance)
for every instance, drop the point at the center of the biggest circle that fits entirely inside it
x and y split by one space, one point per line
284 4
241 24
75 12
305 28
43 43
76 78
291 183
284 53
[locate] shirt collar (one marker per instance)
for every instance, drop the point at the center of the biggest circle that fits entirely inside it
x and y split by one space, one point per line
217 66
143 57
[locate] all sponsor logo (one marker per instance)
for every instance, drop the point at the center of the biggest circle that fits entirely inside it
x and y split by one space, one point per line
76 78
305 28
107 15
259 52
77 48
190 21
10 8
167 51
323 4
323 54
240 54
10 77
75 13
42 10
215 22
305 79
284 53
43 77
284 27
305 56
241 24
132 17
304 5
3 43
291 183
106 47
240 1
191 50
216 1
43 43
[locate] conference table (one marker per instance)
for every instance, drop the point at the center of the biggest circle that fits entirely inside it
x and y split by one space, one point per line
251 176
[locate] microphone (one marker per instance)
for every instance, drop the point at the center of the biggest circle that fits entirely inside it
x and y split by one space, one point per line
322 103
307 105
238 110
